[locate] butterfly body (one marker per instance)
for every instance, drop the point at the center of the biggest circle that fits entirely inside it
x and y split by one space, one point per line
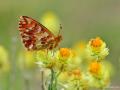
35 36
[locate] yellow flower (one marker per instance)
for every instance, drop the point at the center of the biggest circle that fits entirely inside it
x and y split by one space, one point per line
4 63
81 45
65 52
51 21
76 73
97 49
46 59
42 56
3 53
80 48
96 44
95 68
26 60
64 77
100 73
51 64
63 58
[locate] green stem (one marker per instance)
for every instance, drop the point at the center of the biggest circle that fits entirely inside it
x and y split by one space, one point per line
51 81
77 85
55 83
52 78
58 74
27 84
78 88
42 77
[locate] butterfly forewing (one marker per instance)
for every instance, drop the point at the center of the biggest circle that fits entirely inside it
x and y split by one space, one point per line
34 35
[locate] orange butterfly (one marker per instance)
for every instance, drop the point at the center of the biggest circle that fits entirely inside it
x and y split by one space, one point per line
35 36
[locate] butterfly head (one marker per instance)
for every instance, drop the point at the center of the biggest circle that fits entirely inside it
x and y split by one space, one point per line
58 38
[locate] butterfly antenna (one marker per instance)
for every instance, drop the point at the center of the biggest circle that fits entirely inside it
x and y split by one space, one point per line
60 29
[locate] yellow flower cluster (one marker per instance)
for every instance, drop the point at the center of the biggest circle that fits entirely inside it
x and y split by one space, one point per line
91 71
79 66
54 60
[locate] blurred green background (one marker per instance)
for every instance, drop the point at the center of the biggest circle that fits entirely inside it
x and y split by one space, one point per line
80 19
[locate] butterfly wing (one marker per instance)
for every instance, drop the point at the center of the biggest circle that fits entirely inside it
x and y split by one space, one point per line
34 35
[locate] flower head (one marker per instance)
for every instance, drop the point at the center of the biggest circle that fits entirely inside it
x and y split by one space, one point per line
97 42
46 59
97 48
95 68
65 52
76 73
51 64
99 75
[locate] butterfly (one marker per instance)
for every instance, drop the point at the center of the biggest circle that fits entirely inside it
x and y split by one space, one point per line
35 36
